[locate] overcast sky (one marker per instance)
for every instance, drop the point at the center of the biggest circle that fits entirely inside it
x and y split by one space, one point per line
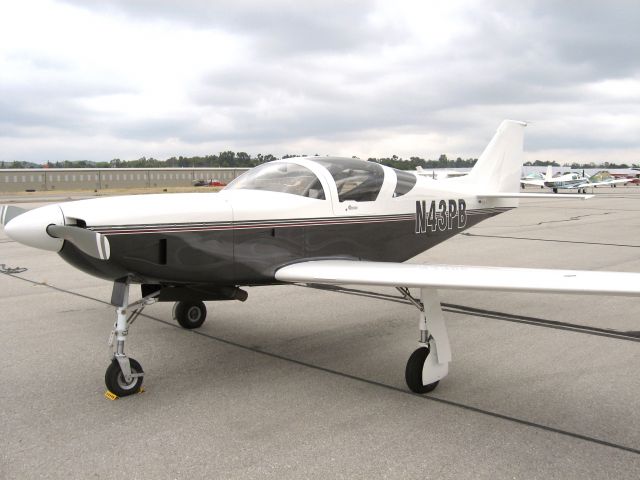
124 79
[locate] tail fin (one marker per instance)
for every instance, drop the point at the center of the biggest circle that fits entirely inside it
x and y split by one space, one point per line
500 166
549 175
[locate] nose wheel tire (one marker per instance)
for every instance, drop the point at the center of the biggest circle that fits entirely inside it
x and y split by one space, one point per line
190 315
114 379
413 372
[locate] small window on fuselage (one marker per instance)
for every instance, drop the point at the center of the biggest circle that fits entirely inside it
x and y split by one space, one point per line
406 181
280 177
356 180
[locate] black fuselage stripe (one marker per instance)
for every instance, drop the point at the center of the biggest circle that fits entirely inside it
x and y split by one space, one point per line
283 223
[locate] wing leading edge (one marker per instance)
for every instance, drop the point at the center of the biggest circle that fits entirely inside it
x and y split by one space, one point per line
340 272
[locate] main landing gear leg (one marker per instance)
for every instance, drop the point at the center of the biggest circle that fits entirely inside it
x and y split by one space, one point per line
429 363
124 375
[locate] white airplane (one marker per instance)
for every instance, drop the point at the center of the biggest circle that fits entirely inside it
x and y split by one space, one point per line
537 179
311 220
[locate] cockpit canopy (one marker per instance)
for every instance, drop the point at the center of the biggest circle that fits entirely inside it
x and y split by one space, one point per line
283 177
355 180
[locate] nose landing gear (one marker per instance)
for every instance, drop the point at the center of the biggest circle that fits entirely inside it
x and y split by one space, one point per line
124 375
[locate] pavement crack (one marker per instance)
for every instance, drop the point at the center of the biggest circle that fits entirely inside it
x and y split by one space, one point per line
570 219
576 242
573 218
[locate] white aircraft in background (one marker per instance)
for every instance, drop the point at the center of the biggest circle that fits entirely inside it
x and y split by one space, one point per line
300 220
537 179
572 180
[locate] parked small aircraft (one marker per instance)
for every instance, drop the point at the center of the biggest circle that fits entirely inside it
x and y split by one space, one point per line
537 179
632 178
311 220
579 181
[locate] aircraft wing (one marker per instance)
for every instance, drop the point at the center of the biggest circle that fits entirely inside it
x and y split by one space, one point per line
353 272
605 182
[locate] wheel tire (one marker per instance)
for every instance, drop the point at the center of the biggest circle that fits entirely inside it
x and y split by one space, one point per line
555 190
114 379
413 372
190 315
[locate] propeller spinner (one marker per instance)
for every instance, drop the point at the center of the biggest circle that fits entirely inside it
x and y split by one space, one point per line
45 228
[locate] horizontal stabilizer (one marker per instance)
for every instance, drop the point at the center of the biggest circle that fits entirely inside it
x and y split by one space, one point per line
9 212
341 272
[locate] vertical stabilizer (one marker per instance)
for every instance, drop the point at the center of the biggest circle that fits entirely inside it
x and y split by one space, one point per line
500 166
549 175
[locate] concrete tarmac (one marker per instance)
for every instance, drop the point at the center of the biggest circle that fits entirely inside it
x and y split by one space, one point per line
306 383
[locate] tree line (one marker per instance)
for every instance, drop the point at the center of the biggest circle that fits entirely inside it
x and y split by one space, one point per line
231 159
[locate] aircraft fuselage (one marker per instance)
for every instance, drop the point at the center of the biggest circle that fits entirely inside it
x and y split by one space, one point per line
242 236
228 251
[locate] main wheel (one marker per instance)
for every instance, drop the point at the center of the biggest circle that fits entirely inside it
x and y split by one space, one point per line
190 315
114 379
413 372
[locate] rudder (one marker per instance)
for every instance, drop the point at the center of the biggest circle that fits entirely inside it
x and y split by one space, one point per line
499 168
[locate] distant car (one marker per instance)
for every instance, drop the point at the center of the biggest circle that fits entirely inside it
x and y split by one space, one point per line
208 183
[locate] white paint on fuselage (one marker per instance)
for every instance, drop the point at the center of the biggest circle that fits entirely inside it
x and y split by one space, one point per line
245 205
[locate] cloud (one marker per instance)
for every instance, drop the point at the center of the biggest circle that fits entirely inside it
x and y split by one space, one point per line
280 27
162 78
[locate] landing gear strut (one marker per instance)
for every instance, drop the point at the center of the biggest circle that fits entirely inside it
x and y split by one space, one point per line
124 375
430 362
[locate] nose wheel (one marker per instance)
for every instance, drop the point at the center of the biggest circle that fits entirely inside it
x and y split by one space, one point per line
116 382
124 375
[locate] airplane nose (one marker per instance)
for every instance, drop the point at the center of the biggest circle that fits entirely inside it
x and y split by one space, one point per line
30 228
